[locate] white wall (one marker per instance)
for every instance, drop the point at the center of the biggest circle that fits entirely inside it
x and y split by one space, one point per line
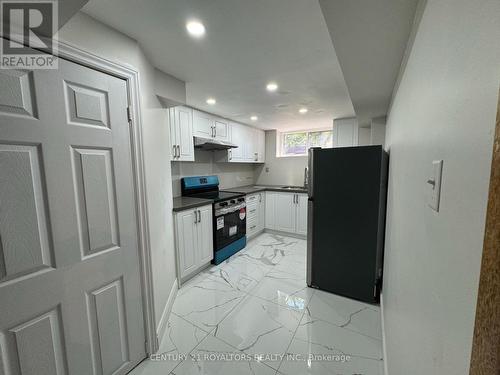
93 36
364 136
377 131
444 109
282 171
230 174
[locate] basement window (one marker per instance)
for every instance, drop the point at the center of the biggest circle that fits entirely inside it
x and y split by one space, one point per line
297 143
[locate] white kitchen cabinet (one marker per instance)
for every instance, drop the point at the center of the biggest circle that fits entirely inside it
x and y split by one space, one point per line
270 217
206 125
203 124
194 244
261 146
255 213
301 214
286 212
345 132
221 129
251 145
181 133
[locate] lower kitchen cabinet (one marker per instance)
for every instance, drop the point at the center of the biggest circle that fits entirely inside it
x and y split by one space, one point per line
194 240
286 212
255 213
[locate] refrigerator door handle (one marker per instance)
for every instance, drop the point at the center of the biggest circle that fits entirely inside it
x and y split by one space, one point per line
310 171
310 235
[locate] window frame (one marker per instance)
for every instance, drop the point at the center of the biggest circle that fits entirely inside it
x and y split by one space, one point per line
280 144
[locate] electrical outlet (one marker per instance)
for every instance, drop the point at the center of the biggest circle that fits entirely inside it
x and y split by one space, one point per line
267 169
435 185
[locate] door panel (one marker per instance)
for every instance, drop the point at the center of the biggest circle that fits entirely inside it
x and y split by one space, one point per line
221 130
238 138
68 225
184 127
302 214
25 245
43 336
107 321
285 212
94 183
202 124
17 93
187 238
205 239
270 213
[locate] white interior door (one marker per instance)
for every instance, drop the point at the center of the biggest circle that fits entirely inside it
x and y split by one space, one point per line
69 265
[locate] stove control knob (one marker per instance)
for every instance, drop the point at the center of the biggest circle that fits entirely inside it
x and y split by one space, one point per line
223 204
233 201
241 199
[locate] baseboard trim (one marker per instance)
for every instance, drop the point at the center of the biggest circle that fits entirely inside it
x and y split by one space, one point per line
162 324
384 347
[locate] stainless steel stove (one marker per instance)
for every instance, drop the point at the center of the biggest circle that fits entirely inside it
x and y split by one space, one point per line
229 214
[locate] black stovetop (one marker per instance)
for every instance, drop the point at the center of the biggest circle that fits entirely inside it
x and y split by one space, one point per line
217 196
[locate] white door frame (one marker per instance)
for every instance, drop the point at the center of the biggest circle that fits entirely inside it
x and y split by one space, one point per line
131 76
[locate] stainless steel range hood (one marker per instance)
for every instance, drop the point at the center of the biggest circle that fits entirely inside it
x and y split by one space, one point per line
211 144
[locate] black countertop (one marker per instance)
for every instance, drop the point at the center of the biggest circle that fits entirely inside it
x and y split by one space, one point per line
186 203
251 189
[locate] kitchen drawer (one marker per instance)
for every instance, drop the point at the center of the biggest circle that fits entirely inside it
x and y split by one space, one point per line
252 227
252 211
252 198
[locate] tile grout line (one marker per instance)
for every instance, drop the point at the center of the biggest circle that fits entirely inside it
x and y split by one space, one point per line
293 336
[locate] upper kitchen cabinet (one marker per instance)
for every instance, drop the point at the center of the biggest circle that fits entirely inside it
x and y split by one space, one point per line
206 125
345 132
251 145
261 146
181 133
221 129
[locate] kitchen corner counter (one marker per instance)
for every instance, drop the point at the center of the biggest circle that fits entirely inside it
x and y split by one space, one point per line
185 203
251 189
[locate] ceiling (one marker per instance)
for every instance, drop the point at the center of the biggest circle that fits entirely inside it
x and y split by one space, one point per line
370 38
247 44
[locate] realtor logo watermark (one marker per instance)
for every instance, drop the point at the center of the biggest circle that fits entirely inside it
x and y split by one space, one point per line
27 29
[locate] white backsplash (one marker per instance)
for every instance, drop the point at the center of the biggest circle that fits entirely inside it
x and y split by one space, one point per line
230 174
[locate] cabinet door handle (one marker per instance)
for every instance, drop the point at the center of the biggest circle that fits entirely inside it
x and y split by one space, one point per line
199 216
230 155
195 217
178 151
252 210
174 152
252 227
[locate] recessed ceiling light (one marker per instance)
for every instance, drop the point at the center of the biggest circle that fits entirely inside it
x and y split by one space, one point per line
272 86
195 29
303 110
254 118
211 101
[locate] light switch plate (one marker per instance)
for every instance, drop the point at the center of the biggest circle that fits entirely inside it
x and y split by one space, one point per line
435 185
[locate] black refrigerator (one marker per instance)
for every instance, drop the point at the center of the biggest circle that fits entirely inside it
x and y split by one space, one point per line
346 220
